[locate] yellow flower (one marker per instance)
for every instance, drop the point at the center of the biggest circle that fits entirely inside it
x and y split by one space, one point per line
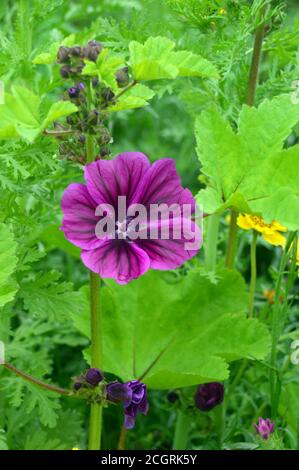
222 11
75 448
270 232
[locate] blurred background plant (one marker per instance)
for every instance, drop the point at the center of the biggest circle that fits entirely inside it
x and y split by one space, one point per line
41 337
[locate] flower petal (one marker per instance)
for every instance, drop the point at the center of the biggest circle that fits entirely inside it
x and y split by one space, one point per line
274 238
162 184
171 251
108 179
116 259
79 219
245 222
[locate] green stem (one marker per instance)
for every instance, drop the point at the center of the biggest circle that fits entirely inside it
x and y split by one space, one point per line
232 240
127 88
95 424
253 274
252 83
256 59
181 432
275 385
212 239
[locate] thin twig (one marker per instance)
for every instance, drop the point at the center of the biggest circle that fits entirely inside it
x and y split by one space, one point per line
124 90
33 380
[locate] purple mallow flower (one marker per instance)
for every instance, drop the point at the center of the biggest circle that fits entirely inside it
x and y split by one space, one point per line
264 428
94 376
133 395
209 395
121 257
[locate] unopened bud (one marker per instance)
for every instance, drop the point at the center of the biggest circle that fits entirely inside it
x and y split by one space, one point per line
122 77
65 71
92 50
63 54
94 376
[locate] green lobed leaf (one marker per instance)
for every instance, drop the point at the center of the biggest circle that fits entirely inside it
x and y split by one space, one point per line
155 59
178 334
20 115
137 97
105 68
45 296
249 170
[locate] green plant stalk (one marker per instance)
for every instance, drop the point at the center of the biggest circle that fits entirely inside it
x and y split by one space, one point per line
180 440
96 411
182 424
253 274
232 241
275 385
212 240
252 84
256 58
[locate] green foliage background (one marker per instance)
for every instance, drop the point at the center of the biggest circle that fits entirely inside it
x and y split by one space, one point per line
43 293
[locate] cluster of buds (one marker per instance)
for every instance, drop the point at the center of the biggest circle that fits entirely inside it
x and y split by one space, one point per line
72 58
132 395
89 119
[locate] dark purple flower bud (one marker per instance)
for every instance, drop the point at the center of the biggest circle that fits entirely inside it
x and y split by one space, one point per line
104 152
122 77
265 428
63 54
92 50
75 51
172 397
133 395
94 376
77 386
73 92
209 395
65 71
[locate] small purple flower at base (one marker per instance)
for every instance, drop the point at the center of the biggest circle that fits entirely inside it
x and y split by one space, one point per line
94 376
209 395
116 254
74 91
265 428
133 395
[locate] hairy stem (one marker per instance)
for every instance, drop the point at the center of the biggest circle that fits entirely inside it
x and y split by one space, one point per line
256 59
253 274
33 380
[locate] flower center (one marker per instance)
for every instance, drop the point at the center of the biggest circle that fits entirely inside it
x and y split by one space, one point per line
123 229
